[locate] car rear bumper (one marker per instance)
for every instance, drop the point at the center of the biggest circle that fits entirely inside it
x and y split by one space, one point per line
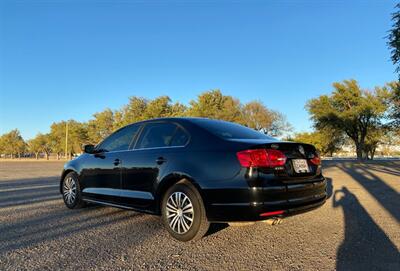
260 203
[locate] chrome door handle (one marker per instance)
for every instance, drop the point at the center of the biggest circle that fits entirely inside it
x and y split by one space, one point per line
160 160
117 162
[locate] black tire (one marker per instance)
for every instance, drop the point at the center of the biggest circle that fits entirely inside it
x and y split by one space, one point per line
199 224
71 181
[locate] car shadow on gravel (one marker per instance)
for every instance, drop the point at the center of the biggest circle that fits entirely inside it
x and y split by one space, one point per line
56 223
216 227
365 245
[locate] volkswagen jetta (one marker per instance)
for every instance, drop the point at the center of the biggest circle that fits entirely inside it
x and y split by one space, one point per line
195 171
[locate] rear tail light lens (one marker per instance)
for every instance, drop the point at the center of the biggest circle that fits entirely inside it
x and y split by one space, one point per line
316 160
261 158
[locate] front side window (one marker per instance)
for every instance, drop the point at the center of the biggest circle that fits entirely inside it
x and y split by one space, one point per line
120 140
156 135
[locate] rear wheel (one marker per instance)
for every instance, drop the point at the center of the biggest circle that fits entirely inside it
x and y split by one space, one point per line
183 212
71 191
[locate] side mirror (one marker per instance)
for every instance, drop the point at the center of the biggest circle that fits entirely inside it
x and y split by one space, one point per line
89 148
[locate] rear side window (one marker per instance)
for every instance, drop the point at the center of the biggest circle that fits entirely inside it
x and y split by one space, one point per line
180 138
229 130
156 135
120 140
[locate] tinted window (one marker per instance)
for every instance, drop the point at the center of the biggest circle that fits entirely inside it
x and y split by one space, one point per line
120 140
156 135
228 130
180 138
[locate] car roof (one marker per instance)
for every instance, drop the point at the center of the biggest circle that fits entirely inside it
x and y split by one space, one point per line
190 119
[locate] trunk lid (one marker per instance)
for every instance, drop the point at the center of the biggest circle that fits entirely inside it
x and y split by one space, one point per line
300 163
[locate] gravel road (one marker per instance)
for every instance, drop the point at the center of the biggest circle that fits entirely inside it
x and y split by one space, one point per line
357 229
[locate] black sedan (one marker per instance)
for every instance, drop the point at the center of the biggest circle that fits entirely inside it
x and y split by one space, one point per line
194 171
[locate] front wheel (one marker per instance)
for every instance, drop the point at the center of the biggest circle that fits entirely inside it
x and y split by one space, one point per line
183 212
71 191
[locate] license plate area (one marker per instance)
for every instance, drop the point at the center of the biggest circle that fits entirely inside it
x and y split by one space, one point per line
300 166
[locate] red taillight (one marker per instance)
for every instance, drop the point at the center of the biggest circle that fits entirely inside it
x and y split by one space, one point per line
276 158
261 158
272 213
316 160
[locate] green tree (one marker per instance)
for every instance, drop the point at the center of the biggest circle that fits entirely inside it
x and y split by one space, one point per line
12 143
326 141
257 116
178 110
41 143
77 136
350 110
390 142
158 108
392 92
372 140
47 145
394 38
2 146
101 126
139 109
213 104
35 145
130 113
394 45
57 138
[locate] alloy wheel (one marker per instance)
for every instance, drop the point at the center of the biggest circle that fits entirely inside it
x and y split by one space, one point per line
69 190
180 212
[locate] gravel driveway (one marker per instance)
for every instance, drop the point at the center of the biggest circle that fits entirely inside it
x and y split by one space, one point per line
357 228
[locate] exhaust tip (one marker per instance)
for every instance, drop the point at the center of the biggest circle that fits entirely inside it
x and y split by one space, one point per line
273 221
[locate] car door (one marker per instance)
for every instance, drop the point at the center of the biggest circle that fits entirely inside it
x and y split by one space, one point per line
147 162
101 177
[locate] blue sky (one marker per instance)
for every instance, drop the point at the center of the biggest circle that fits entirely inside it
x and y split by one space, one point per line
69 59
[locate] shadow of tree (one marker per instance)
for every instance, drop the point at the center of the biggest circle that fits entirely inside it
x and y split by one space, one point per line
384 169
21 183
382 192
365 245
51 222
51 226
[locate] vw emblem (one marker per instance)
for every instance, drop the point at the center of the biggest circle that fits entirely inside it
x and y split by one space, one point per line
301 150
275 146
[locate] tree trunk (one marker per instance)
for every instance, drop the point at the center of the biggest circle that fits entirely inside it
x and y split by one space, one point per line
359 151
58 156
47 156
373 153
37 155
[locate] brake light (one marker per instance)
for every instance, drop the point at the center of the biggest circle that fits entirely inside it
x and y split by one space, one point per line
261 158
316 160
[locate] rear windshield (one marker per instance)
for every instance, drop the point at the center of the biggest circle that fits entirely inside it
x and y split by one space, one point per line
229 130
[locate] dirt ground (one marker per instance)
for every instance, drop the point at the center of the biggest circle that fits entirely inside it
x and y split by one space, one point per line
357 229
